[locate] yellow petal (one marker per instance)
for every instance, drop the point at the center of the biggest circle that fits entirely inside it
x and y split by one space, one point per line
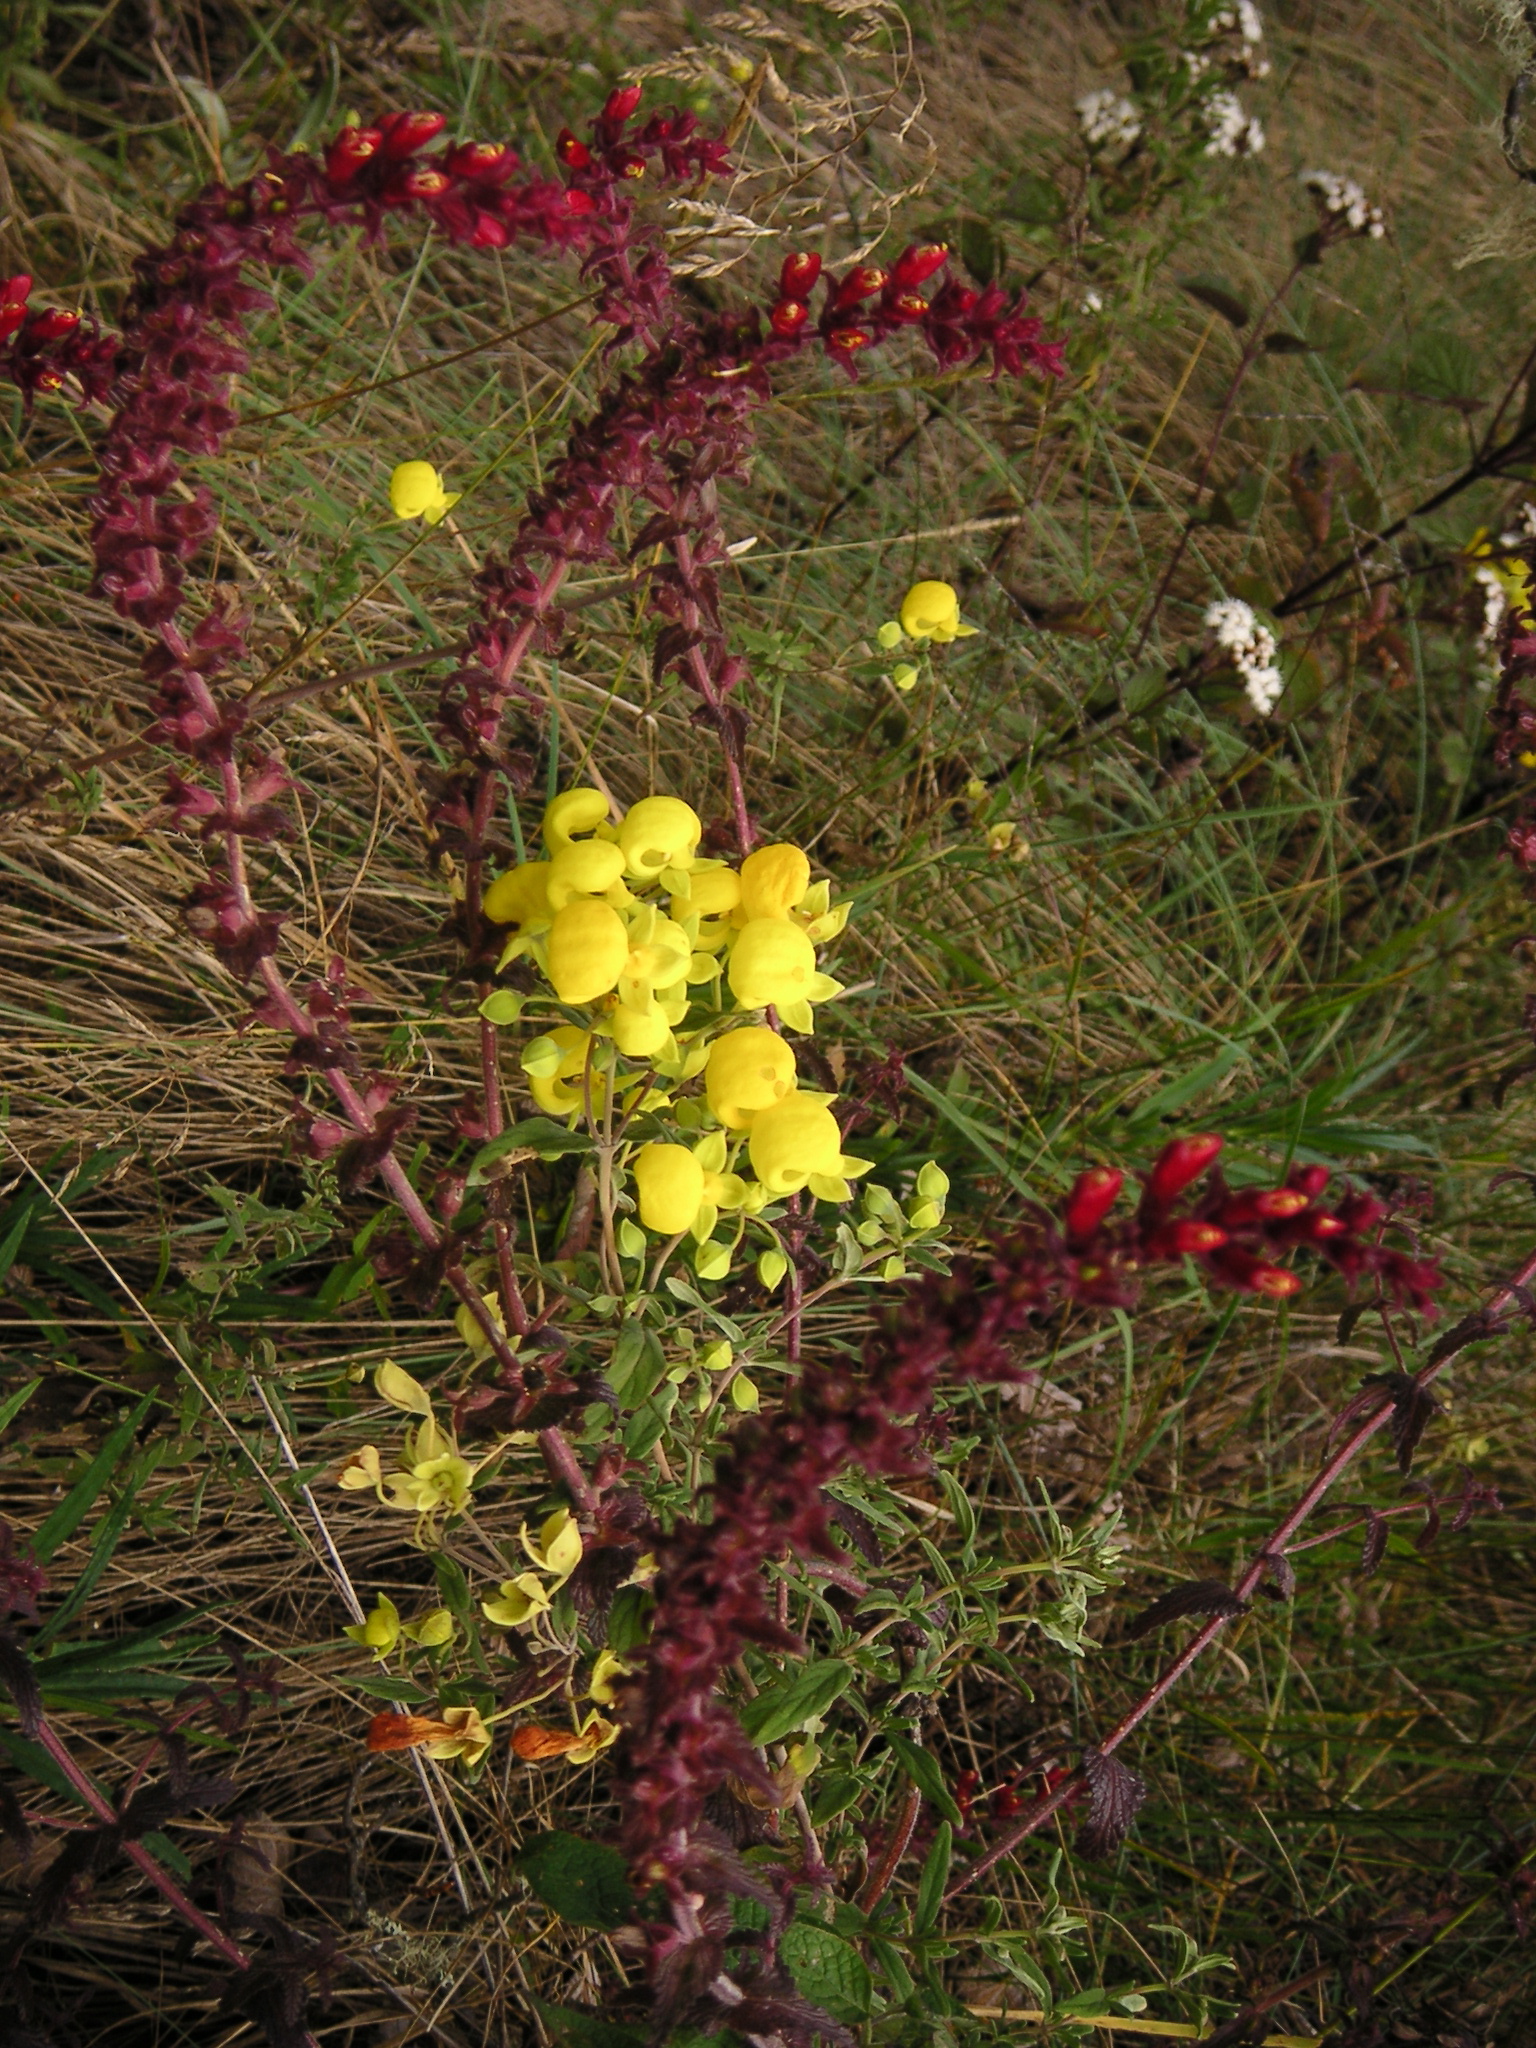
400 1390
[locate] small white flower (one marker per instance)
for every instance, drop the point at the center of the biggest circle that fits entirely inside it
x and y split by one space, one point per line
1195 62
1250 23
1232 131
1234 631
1495 605
1108 120
1342 202
1093 302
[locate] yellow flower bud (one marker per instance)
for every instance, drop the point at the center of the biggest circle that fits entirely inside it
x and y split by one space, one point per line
715 894
671 1187
794 1139
638 1035
904 675
772 961
585 868
772 881
381 1631
520 895
432 1631
588 946
573 811
659 832
931 611
416 492
748 1070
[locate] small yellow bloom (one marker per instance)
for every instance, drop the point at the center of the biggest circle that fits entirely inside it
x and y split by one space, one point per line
772 961
575 811
433 1486
464 1735
556 1067
520 896
432 1631
772 881
587 867
1001 835
1528 760
904 676
416 492
792 1140
712 897
607 1668
592 1738
588 947
670 1182
638 1034
747 1071
658 833
521 1599
362 1469
931 611
557 1549
381 1631
657 959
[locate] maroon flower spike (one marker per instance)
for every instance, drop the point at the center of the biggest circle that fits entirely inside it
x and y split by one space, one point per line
405 134
1093 1196
797 278
13 304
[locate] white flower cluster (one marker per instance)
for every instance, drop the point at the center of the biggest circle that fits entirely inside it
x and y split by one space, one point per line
1246 21
1232 131
1340 199
1107 119
1250 647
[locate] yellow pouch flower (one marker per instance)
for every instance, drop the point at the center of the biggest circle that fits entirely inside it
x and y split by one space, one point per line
573 811
381 1631
520 896
416 492
931 611
588 867
670 1182
712 898
772 881
747 1071
772 961
556 1084
588 947
639 1035
521 1599
791 1141
659 832
558 1547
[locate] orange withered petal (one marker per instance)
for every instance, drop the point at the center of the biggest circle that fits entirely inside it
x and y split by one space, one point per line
536 1744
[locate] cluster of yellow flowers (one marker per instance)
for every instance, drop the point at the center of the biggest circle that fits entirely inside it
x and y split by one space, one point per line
432 1479
628 920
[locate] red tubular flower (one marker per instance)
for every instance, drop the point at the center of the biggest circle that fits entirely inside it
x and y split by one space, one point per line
572 151
628 164
797 277
420 181
482 163
907 307
1178 1164
848 341
1092 1197
52 325
862 282
1185 1238
13 303
352 148
789 316
404 134
621 103
914 266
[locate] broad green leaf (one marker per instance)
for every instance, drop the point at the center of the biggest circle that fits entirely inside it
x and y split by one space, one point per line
827 1970
537 1135
930 1886
780 1709
586 1883
571 2025
13 1404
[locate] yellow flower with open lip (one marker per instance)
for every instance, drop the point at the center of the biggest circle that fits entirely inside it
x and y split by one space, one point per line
681 1190
747 1071
416 492
520 896
773 961
380 1631
521 1599
773 880
587 948
575 812
557 1547
1512 575
433 1629
465 1735
594 1736
931 611
796 1144
556 1067
660 837
600 1686
818 916
435 1480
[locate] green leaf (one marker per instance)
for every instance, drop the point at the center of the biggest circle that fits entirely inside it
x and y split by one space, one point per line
586 1883
638 1364
13 1404
1221 298
827 1970
930 1886
922 1767
76 1504
537 1135
452 1584
502 1006
1033 201
780 1709
835 1795
629 1619
897 1975
103 1544
581 2029
381 1686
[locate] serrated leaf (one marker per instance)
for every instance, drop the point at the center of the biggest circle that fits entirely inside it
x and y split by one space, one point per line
1115 1794
1200 1596
586 1883
781 1708
827 1970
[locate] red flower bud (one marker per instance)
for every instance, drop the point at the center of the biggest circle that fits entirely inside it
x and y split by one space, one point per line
484 163
1311 1180
421 181
14 290
797 278
622 102
572 152
628 165
861 283
49 380
916 265
1275 1281
1092 1197
1175 1240
349 152
789 316
1180 1163
848 340
404 134
580 202
489 232
908 306
1281 1202
50 325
